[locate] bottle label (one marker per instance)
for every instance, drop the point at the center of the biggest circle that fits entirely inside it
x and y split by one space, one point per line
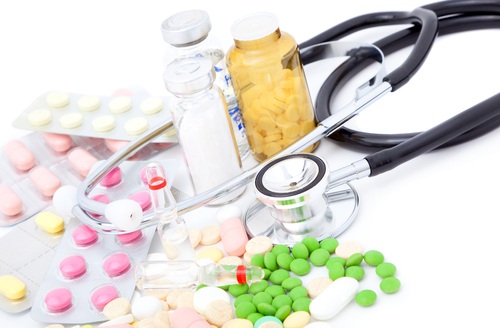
215 55
235 114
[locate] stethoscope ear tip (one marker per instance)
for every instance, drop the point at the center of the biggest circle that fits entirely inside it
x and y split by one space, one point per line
125 214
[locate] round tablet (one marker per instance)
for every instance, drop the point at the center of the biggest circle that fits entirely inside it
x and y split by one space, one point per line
120 104
259 245
57 99
151 105
348 248
58 300
89 103
204 296
129 237
40 117
136 126
143 198
103 123
84 235
102 296
116 264
71 120
73 267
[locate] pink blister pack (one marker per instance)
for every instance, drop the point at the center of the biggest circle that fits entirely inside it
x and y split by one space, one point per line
90 269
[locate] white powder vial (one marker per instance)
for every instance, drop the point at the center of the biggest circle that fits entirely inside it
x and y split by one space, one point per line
201 119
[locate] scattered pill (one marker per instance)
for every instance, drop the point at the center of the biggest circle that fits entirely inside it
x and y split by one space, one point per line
118 307
204 296
11 287
49 222
89 103
347 248
44 180
366 297
73 267
116 264
210 235
58 300
102 296
330 244
234 236
385 269
334 298
300 251
146 307
319 257
317 286
238 323
300 267
113 178
57 99
194 236
81 160
297 319
259 245
390 285
230 260
311 243
373 257
213 253
219 312
268 322
10 203
187 317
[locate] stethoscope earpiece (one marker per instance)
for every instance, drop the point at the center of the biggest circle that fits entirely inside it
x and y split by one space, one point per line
125 214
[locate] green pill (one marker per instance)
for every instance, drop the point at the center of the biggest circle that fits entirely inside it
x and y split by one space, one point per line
280 249
283 312
200 286
366 297
373 258
278 276
225 287
300 251
311 243
355 272
390 285
266 309
258 287
336 271
242 298
336 259
385 269
298 292
284 260
270 261
267 273
257 260
281 300
354 259
301 304
244 309
253 317
330 244
319 257
275 290
238 289
300 267
291 283
262 297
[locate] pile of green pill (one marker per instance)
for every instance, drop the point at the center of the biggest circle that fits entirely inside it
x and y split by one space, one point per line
280 293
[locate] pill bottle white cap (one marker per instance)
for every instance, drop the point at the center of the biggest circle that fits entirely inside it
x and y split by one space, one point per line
254 26
189 75
186 27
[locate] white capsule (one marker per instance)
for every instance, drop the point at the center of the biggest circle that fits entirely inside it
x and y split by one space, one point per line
334 298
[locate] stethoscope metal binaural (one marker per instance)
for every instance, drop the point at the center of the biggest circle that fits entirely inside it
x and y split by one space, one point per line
297 189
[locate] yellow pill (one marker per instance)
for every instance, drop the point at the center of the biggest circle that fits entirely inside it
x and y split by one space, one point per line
11 287
297 319
272 148
212 253
104 123
89 103
57 99
238 323
136 126
120 104
271 138
265 123
291 130
151 105
292 113
49 222
40 117
71 120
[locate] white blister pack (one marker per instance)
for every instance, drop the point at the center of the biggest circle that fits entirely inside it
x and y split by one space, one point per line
119 117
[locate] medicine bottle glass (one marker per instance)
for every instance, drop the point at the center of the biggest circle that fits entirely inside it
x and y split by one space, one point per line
270 84
187 34
201 119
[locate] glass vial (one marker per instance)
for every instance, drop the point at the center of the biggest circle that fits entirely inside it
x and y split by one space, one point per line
269 81
187 34
201 119
188 274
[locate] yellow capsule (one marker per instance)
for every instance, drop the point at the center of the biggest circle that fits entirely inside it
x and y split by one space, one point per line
11 287
49 222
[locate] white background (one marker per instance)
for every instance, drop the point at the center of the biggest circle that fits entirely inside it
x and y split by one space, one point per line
435 217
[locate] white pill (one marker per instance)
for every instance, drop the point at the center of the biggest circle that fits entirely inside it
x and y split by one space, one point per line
146 307
89 103
103 123
151 105
40 117
227 212
57 99
128 318
136 126
120 104
71 120
206 295
334 298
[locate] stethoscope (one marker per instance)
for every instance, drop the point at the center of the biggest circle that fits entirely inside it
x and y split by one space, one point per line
296 193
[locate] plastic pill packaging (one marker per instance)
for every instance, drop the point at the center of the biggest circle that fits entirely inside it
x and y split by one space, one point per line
34 166
120 117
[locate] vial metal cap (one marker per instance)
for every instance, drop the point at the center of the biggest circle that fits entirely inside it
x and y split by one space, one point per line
186 27
189 75
254 26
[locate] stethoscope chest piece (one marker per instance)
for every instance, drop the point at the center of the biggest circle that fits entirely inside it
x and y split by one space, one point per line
292 201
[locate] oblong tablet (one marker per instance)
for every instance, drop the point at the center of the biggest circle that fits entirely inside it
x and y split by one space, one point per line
19 155
334 298
49 222
11 287
10 202
44 180
81 160
58 300
57 142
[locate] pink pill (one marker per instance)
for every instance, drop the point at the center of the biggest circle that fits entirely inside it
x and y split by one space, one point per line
234 236
84 235
44 180
101 198
129 237
19 155
113 178
73 267
102 296
142 198
81 160
116 264
57 142
187 317
10 202
58 300
115 145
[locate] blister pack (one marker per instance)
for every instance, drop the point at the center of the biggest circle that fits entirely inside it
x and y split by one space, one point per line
119 117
